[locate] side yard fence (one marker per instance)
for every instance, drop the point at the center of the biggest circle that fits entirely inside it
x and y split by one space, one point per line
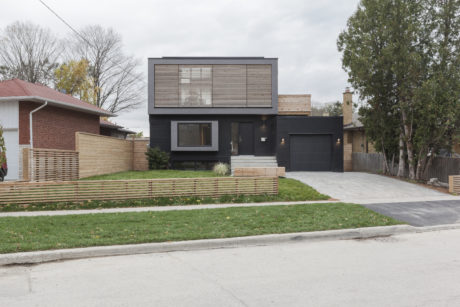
94 155
49 165
77 191
441 168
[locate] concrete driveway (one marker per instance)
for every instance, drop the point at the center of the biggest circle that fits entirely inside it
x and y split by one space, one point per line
365 188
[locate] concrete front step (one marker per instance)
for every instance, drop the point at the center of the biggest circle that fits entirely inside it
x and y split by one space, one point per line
252 161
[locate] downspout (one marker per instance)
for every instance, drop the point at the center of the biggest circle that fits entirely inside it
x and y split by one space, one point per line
31 140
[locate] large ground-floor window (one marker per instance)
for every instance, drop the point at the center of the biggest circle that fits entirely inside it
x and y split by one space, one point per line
194 136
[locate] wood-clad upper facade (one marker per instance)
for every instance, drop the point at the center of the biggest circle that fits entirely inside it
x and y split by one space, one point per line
213 85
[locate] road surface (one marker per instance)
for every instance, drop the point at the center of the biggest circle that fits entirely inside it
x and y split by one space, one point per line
407 270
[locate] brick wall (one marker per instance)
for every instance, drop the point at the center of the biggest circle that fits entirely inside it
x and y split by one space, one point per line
54 127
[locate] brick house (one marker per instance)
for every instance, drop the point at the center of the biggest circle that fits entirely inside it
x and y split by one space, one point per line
55 118
111 129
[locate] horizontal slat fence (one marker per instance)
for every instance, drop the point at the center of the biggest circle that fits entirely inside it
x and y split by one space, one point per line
76 191
454 184
50 164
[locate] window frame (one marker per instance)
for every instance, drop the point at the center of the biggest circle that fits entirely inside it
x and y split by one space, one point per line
175 136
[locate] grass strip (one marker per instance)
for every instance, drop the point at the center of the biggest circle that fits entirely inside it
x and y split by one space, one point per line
55 232
289 190
152 174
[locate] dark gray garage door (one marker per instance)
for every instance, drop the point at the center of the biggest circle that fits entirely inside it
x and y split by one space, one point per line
311 152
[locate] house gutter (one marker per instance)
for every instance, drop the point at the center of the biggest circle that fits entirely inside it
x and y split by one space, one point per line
31 137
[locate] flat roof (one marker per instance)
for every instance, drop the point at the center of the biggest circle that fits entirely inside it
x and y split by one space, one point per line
213 57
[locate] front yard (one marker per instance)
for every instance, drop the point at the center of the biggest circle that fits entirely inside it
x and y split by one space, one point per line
289 190
55 232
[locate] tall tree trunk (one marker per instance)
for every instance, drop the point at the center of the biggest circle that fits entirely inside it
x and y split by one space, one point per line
392 165
402 159
386 169
409 145
420 165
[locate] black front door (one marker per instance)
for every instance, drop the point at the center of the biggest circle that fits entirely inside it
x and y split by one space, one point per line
246 139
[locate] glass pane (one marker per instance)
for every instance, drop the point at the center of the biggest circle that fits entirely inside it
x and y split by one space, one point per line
195 86
194 134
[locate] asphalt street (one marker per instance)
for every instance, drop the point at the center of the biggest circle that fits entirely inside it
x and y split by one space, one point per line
421 213
420 269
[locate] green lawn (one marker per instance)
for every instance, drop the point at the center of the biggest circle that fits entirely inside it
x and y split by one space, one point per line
55 232
289 190
152 174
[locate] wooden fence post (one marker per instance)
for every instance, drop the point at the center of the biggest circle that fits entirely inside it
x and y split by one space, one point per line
26 164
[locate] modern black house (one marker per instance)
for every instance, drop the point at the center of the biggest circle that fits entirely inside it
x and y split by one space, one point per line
205 110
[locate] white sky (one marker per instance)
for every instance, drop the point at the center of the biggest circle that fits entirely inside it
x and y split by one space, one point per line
302 34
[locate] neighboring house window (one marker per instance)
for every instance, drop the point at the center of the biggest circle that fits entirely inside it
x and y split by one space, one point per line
195 85
194 136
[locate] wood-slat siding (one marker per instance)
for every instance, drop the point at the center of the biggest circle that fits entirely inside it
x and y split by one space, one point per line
229 86
259 85
232 85
294 104
166 85
77 191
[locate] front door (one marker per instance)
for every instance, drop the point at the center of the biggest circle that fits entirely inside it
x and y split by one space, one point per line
246 139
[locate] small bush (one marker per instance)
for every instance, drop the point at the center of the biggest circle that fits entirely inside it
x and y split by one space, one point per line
221 169
2 147
157 158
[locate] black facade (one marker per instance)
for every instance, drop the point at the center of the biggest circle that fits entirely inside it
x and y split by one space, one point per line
263 126
318 140
204 110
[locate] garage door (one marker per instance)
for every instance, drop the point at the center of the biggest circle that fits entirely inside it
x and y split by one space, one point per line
311 152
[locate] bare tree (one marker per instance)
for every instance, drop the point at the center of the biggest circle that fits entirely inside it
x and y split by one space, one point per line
117 83
28 52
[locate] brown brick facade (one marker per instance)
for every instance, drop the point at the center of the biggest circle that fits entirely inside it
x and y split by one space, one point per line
54 127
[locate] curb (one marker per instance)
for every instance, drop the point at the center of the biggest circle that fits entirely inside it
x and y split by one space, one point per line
148 248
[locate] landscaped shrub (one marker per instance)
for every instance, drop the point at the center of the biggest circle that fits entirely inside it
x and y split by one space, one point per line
221 169
157 158
2 147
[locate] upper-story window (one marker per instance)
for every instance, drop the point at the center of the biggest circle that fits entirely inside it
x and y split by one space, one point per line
195 86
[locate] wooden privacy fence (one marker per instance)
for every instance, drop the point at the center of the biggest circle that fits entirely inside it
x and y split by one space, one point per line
103 154
49 165
440 168
75 191
454 184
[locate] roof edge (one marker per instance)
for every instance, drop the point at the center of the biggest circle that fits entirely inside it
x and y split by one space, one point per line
58 103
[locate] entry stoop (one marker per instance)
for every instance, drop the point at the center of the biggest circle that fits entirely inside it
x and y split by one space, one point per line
256 166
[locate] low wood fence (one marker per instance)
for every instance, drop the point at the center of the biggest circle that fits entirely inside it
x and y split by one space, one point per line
76 191
454 184
49 165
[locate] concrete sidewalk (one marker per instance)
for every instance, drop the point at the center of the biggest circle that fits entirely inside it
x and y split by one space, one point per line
159 208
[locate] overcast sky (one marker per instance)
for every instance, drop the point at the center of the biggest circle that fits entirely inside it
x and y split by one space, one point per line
302 34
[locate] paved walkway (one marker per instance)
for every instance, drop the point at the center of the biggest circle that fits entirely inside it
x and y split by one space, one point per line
163 208
365 188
